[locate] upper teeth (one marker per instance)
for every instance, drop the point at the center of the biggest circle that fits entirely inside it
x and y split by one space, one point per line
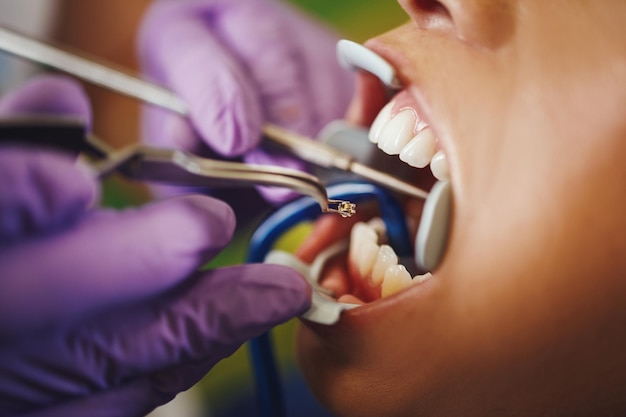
404 134
378 263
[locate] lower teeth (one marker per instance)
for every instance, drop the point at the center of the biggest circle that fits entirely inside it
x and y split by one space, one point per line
377 264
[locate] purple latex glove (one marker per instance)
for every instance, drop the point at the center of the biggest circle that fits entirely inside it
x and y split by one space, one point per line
239 64
104 312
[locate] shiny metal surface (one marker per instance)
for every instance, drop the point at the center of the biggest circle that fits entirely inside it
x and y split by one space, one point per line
122 82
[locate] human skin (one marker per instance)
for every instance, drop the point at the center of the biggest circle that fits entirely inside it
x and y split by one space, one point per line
525 316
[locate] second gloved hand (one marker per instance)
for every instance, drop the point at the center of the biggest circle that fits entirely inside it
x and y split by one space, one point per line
239 64
103 312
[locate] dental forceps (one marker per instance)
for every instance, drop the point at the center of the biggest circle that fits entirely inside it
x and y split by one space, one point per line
122 82
177 167
167 166
185 168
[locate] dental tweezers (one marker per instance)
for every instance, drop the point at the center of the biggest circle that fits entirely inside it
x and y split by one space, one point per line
124 83
176 167
165 166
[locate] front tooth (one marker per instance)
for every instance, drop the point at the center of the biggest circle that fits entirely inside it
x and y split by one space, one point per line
366 257
385 258
362 231
439 166
396 279
421 149
397 133
363 248
381 120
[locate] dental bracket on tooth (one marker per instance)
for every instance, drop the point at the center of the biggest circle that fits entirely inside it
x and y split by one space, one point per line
354 56
324 309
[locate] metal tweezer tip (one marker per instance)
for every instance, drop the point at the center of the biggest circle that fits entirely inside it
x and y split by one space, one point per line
344 208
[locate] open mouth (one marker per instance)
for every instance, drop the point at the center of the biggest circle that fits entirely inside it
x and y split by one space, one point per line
371 269
395 244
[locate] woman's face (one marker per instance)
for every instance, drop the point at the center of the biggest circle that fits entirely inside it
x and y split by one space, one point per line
526 314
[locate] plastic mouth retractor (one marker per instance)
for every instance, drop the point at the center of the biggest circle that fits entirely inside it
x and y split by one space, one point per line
324 309
432 233
352 56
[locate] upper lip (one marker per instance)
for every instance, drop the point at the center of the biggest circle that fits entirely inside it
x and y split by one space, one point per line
397 60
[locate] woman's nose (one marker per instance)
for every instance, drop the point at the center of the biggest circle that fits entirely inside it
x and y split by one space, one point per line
482 23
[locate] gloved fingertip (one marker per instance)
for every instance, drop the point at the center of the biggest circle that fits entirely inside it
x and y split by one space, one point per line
48 94
42 190
260 296
263 157
275 195
180 133
214 219
298 288
284 291
180 47
128 255
166 129
78 179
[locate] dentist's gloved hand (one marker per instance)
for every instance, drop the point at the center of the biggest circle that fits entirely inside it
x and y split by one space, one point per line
104 312
239 64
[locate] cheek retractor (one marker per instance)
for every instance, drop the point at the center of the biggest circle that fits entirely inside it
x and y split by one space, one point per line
432 233
324 309
353 56
432 236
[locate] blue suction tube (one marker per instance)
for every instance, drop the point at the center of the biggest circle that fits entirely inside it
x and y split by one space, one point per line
269 390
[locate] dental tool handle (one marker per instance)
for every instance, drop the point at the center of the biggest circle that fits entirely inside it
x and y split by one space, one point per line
388 181
327 156
121 81
102 74
307 149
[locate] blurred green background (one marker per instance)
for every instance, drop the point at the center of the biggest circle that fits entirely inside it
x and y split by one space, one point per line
357 20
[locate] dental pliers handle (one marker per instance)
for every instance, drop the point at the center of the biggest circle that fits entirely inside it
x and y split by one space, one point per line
167 166
176 167
351 54
60 133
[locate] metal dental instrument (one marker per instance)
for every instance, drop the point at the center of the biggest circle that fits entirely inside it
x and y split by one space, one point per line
180 168
326 156
162 165
324 309
183 168
175 167
167 166
123 82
